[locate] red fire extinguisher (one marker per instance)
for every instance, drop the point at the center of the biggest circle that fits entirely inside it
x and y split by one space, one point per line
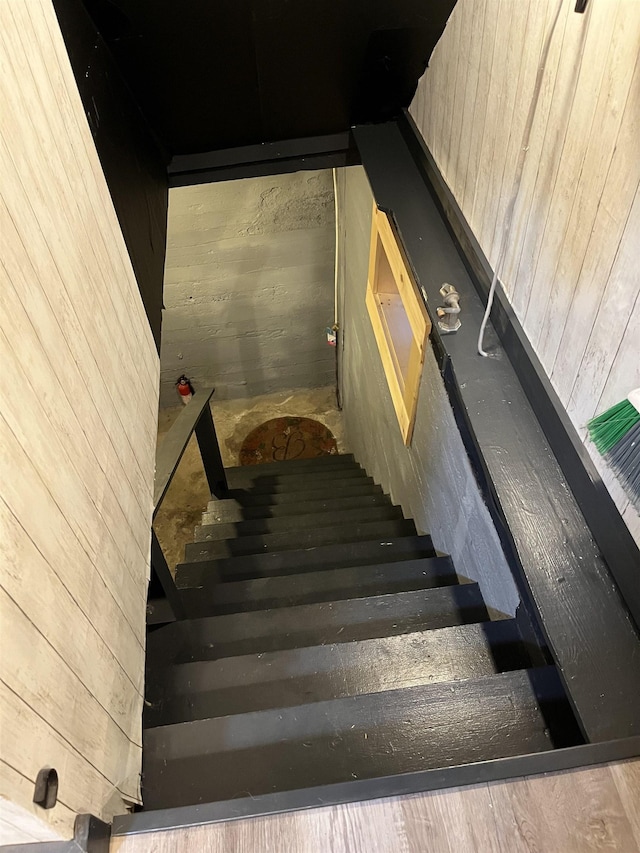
185 389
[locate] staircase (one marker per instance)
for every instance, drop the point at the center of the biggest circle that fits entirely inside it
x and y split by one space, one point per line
332 643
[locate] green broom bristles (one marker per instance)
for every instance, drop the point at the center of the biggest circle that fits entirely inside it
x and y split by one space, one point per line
607 429
616 434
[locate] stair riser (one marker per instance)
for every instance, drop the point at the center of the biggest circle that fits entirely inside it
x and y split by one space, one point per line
338 585
279 542
291 509
318 463
262 527
239 685
197 575
364 486
294 481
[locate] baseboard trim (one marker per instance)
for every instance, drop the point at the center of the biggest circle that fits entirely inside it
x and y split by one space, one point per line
371 789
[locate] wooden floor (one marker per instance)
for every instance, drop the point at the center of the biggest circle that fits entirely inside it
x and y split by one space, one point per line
577 811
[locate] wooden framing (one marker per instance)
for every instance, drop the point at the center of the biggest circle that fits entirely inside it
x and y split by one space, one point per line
399 318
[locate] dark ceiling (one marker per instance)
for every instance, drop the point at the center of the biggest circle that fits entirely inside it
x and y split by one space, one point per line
212 74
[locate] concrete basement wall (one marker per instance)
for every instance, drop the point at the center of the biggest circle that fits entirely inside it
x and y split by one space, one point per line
249 285
432 479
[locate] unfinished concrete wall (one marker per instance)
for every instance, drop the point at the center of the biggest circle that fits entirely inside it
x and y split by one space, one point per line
249 285
432 479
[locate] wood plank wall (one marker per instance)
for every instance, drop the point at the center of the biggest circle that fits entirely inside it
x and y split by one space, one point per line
78 411
572 265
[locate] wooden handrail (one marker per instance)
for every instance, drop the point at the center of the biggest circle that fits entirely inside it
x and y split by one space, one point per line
173 445
195 417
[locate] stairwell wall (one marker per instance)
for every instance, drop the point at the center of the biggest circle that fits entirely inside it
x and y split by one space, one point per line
78 412
570 269
432 479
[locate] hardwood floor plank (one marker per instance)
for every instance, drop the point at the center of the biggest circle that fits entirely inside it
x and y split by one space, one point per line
626 777
572 812
460 820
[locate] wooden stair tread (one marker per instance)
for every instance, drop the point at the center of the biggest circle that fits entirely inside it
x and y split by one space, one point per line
368 736
258 631
285 678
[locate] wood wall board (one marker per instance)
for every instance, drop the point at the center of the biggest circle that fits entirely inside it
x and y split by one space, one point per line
592 808
57 539
476 126
67 193
35 671
522 82
54 263
526 202
625 370
619 297
97 543
451 70
476 25
25 820
606 37
548 162
33 586
620 185
578 185
79 785
78 446
498 117
81 259
49 429
596 265
68 181
35 374
50 312
464 44
574 211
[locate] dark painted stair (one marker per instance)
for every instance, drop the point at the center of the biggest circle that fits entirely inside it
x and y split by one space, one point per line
331 644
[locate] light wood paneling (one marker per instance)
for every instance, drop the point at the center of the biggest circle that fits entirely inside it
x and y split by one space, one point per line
572 265
79 395
572 812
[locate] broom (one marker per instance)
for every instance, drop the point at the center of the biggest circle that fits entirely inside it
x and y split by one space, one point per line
616 434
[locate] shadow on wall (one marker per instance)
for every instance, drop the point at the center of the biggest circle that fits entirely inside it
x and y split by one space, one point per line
249 285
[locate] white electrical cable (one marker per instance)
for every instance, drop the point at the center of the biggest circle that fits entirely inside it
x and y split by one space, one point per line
335 262
524 148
